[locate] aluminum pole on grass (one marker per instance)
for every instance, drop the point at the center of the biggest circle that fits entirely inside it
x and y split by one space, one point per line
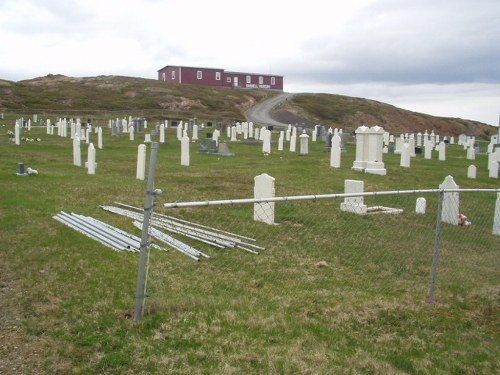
140 295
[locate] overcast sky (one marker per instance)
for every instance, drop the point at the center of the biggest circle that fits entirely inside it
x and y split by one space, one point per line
440 57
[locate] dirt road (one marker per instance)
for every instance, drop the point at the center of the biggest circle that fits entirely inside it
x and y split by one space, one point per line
261 113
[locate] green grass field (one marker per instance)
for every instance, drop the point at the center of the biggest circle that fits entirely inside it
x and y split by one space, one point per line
332 293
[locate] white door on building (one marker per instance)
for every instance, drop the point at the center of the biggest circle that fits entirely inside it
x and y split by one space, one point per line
235 81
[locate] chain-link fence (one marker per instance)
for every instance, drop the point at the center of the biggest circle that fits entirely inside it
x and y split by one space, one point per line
427 244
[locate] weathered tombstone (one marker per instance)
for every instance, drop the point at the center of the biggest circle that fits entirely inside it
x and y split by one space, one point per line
141 162
472 171
496 217
405 156
131 133
304 143
281 140
214 149
335 152
147 138
91 164
264 188
233 134
185 151
451 203
421 205
224 150
266 143
354 204
77 156
203 146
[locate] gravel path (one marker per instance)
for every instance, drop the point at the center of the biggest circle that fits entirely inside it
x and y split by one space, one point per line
261 112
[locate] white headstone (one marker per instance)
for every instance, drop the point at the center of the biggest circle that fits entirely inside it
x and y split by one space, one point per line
141 162
17 134
335 151
493 169
266 143
185 150
421 205
281 140
264 188
233 134
472 171
451 203
354 204
77 156
442 151
91 159
162 133
195 132
405 156
131 133
179 131
99 138
304 143
293 143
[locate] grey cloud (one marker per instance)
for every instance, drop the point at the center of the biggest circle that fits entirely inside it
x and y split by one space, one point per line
410 42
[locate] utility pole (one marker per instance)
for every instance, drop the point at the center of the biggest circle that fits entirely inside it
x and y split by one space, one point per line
140 295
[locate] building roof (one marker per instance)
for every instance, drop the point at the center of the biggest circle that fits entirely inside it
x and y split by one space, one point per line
229 72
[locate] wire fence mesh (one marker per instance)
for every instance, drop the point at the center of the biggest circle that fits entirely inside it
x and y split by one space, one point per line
389 250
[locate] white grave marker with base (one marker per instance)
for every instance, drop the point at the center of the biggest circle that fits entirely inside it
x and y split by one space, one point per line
264 188
369 155
354 204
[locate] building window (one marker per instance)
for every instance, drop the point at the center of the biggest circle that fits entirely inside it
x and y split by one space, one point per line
199 74
217 76
173 74
228 79
249 79
261 80
273 80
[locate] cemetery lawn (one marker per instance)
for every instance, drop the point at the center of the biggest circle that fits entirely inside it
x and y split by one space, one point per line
67 301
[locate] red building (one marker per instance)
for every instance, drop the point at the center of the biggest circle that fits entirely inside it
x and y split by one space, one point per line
219 78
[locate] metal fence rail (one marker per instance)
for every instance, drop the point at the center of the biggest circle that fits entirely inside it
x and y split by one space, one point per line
414 253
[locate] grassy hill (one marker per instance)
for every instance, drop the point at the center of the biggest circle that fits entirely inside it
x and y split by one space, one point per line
110 96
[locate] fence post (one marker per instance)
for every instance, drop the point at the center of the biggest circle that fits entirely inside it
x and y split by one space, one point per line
437 248
140 294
